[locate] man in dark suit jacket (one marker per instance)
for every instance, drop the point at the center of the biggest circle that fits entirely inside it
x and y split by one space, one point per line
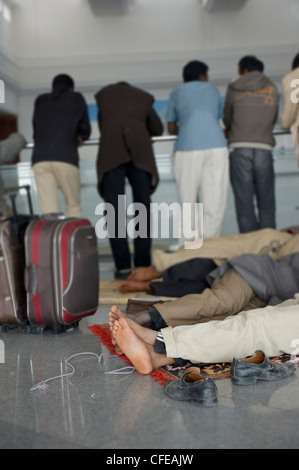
60 124
127 121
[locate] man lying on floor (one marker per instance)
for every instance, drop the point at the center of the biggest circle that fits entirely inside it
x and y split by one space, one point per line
273 330
185 271
243 283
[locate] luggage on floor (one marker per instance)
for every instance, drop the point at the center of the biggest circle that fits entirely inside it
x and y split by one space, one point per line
12 291
12 264
61 274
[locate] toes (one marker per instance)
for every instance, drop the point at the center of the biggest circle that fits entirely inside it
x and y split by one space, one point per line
118 350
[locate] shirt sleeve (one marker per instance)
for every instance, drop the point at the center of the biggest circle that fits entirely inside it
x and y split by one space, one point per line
171 115
84 127
221 108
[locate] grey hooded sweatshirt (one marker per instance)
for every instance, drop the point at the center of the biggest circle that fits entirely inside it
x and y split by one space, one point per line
251 110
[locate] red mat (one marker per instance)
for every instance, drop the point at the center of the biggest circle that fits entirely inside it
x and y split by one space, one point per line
161 375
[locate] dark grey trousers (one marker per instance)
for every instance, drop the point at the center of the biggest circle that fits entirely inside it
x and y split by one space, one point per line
253 179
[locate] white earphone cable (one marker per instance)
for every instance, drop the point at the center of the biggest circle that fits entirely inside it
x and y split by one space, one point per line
42 385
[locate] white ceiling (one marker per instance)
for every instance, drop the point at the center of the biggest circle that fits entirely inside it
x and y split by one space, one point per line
143 41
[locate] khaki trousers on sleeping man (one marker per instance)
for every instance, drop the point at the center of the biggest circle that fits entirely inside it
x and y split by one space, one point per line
51 174
228 295
274 330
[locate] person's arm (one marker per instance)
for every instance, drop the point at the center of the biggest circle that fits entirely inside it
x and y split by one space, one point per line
171 116
34 120
289 109
84 127
173 128
153 123
228 110
11 147
277 108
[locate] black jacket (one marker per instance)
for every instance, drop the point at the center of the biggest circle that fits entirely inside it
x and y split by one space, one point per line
58 121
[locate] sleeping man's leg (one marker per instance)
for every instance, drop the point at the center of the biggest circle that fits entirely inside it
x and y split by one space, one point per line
274 330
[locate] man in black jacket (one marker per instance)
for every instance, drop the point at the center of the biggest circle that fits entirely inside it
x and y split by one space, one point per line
61 124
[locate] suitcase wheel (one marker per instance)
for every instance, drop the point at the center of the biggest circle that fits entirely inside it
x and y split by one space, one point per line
25 327
35 329
6 328
58 329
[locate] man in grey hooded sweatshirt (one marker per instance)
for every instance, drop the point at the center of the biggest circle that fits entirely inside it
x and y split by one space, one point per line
250 113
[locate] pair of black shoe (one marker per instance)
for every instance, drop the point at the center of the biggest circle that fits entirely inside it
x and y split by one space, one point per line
203 391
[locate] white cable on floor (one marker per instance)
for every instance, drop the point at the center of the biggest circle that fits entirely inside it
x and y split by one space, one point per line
42 385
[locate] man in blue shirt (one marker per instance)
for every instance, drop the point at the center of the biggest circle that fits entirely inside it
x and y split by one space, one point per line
201 154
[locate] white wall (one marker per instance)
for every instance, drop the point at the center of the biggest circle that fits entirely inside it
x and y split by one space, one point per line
69 28
151 42
146 43
9 71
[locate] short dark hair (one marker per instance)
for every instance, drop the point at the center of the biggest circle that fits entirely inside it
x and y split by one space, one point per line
193 70
295 62
62 83
251 63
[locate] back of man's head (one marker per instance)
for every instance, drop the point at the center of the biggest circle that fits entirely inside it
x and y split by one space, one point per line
62 83
250 63
295 62
195 70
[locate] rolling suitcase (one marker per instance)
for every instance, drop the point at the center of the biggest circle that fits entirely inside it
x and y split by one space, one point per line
12 291
61 274
12 265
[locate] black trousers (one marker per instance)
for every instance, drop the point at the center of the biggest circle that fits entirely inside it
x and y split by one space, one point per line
188 277
113 185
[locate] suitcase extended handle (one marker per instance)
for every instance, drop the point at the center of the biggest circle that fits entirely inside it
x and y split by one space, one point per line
16 219
13 196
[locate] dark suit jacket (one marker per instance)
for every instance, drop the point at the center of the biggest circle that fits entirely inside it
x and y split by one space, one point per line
58 121
127 121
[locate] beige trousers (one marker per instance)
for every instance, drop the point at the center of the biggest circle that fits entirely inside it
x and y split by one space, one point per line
266 241
274 330
228 295
48 175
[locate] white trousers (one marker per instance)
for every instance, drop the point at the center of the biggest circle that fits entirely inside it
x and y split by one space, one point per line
274 330
205 172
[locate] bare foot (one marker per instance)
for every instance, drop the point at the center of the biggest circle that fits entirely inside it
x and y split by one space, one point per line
132 346
146 334
133 286
142 355
144 274
114 314
118 351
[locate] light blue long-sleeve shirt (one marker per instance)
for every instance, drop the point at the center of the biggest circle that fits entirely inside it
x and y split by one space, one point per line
196 108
